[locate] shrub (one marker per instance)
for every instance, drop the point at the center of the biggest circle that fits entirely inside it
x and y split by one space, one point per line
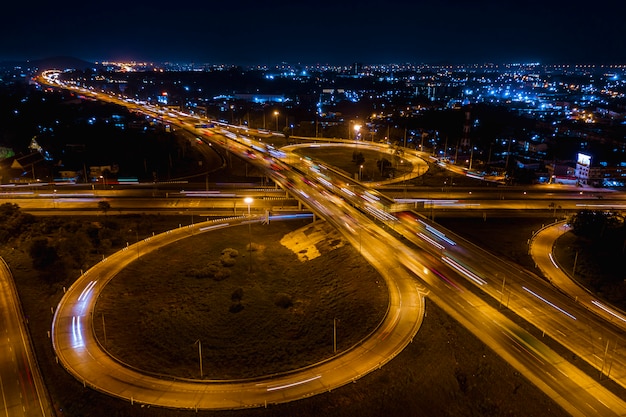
237 295
233 253
227 260
220 275
213 271
235 307
228 257
283 300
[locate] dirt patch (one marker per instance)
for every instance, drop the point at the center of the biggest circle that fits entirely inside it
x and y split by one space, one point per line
312 241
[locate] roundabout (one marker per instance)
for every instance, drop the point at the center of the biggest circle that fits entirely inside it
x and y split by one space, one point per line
81 354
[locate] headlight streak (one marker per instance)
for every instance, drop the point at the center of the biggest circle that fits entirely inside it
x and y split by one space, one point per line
553 261
326 183
77 333
294 383
348 192
460 268
549 303
217 226
380 214
85 291
291 216
367 196
608 310
432 242
437 233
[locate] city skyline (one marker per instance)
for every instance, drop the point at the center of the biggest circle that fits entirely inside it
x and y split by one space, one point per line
268 33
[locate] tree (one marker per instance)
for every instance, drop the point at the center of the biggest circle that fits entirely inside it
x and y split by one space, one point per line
592 224
383 165
42 254
104 206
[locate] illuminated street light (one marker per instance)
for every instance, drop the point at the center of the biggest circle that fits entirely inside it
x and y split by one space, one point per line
357 129
276 115
248 201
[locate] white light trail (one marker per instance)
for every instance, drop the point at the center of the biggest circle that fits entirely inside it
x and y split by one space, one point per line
217 226
294 383
460 268
608 310
549 303
553 261
432 242
77 333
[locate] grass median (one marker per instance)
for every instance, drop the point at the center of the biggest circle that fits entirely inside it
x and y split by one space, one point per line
247 312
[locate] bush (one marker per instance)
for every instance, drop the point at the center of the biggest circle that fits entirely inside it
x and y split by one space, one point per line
227 260
235 307
213 271
220 275
233 253
237 295
228 257
283 300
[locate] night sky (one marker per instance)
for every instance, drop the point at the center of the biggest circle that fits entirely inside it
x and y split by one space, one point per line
338 32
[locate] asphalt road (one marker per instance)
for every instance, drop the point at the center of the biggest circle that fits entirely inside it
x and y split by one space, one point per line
21 387
83 357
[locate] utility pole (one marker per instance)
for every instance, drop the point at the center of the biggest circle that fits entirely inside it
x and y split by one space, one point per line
200 355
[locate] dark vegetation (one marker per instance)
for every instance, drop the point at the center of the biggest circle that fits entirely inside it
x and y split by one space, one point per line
75 134
594 252
595 246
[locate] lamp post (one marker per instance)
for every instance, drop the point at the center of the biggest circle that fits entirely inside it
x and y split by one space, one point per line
360 172
357 129
248 201
276 116
199 354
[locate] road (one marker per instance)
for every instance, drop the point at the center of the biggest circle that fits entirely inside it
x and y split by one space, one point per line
541 250
454 290
84 358
21 387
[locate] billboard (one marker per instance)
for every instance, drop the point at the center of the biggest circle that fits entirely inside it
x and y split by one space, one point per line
584 160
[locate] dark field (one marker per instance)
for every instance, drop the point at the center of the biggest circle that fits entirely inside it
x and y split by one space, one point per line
272 313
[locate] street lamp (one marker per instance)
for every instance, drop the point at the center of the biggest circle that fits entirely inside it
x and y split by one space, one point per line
276 115
360 172
357 129
248 201
199 343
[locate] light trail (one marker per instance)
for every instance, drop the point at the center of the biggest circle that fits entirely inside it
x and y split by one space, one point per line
549 303
294 383
217 226
432 242
608 310
460 268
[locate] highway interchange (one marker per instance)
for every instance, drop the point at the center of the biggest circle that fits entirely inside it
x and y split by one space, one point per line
419 259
